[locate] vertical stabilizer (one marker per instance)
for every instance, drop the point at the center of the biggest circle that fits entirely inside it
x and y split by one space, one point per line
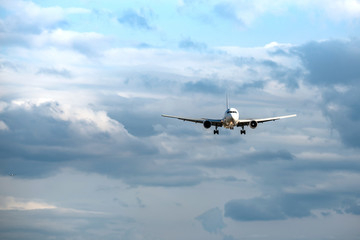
227 101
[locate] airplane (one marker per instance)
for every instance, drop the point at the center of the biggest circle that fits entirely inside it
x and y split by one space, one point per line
230 120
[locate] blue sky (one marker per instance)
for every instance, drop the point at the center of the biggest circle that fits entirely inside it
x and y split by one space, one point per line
85 154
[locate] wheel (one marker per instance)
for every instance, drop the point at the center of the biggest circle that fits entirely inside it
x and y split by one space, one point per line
216 132
243 132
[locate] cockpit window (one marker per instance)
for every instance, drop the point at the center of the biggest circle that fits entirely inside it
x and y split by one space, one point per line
231 111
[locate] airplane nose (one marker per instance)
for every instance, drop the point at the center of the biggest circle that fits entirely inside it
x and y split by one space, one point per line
230 118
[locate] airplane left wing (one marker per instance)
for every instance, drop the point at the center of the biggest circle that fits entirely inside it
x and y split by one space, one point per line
196 120
214 122
261 120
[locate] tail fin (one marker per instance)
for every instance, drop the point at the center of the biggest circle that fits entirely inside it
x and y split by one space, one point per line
227 101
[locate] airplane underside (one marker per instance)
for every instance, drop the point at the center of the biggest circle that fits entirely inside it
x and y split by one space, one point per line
242 131
231 127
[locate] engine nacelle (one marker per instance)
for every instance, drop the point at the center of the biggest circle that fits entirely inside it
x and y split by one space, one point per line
253 124
207 124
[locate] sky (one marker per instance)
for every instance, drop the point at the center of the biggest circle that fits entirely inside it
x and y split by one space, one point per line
85 153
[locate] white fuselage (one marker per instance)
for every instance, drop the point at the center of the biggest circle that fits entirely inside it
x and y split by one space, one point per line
231 118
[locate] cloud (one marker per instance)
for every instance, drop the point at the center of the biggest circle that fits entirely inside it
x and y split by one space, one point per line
28 17
266 69
334 67
41 221
287 205
189 44
10 203
87 43
250 158
8 65
204 86
3 126
28 25
83 120
136 19
212 220
331 62
343 9
55 72
45 136
227 11
258 209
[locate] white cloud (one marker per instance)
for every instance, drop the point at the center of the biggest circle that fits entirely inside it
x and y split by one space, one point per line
3 126
87 120
83 120
343 9
11 203
247 12
30 17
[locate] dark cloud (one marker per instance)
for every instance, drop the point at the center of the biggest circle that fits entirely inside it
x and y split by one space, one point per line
331 62
204 86
38 144
258 209
334 67
288 205
257 85
38 224
135 19
290 77
250 158
212 220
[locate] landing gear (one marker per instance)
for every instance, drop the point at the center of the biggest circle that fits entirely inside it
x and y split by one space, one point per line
216 131
242 131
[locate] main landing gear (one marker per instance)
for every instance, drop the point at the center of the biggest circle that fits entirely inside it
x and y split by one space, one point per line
242 131
216 131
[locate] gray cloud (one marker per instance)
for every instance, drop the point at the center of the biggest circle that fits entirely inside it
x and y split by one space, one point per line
276 71
288 205
250 158
55 72
258 209
189 44
39 224
257 85
204 86
135 19
212 220
38 144
8 65
228 11
334 66
331 62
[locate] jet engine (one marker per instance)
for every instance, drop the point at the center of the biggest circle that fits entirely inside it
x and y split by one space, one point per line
253 124
207 124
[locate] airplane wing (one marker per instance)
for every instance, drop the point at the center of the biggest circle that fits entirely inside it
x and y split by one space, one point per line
261 120
214 122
